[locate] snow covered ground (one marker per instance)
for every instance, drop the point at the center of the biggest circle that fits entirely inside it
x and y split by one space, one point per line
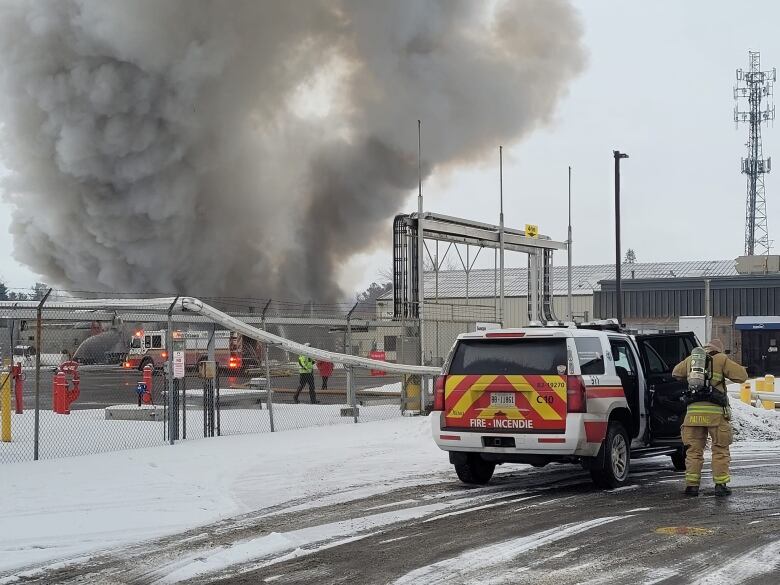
67 507
64 508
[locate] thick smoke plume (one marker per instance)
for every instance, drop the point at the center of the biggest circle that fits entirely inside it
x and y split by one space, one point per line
247 147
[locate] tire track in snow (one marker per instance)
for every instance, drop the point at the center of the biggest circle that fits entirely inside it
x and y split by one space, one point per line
474 565
755 563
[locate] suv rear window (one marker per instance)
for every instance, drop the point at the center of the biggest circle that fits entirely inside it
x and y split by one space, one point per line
510 356
591 355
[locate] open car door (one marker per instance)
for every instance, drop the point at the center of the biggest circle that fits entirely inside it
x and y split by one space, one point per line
659 354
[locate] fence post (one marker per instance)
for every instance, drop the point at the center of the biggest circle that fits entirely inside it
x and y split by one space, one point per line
210 386
351 394
38 334
173 411
183 387
268 389
218 407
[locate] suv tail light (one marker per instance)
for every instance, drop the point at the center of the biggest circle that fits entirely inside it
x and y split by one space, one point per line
575 394
438 392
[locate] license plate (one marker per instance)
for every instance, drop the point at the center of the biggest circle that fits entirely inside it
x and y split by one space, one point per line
502 399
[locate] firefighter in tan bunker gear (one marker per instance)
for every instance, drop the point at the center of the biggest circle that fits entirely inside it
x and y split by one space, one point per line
708 418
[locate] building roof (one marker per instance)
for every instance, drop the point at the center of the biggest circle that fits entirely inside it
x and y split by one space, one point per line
585 278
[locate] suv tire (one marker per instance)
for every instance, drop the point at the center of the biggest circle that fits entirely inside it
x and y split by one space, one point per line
678 459
617 457
475 470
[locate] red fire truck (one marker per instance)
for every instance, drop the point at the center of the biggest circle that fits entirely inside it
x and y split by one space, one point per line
232 350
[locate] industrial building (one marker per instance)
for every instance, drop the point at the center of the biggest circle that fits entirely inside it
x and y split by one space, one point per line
744 301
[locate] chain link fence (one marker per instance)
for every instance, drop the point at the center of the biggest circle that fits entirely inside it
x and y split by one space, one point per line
99 379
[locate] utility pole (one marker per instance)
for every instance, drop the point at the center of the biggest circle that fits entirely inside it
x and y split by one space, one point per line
420 245
755 85
568 252
618 290
501 232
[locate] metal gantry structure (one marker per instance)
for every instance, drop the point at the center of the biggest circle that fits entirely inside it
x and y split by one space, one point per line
755 86
408 273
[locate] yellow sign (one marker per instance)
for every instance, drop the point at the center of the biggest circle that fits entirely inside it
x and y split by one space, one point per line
531 230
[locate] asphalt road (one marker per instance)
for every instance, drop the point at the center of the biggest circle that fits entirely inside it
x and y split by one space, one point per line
103 386
530 526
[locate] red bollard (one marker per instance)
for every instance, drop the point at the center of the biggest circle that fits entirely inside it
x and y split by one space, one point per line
60 385
148 372
16 371
72 395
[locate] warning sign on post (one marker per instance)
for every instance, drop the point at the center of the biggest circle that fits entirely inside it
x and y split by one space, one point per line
178 364
377 355
531 230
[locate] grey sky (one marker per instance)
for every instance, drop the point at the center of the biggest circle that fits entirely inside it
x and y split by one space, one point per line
658 86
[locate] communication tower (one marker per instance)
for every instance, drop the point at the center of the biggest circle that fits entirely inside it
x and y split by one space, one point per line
755 86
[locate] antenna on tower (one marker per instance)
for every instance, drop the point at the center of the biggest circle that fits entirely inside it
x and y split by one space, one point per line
755 86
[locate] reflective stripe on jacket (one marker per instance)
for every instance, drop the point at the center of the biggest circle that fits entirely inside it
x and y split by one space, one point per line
305 364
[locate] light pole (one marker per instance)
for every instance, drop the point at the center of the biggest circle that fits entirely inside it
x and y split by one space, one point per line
618 291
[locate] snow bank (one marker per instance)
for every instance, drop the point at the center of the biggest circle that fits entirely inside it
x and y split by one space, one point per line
751 423
62 508
754 424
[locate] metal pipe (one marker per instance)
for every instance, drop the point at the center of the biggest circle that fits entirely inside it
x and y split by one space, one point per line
38 335
235 324
618 290
568 252
468 271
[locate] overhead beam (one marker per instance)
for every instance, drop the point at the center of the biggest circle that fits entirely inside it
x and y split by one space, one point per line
486 236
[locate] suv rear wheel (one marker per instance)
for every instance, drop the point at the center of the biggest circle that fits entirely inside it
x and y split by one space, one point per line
475 470
617 457
678 459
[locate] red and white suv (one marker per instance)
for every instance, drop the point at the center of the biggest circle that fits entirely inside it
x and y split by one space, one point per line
588 395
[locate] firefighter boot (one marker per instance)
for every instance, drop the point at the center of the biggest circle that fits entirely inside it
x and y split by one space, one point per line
692 491
721 489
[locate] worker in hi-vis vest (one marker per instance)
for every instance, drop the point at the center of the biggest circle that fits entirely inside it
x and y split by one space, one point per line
706 371
306 371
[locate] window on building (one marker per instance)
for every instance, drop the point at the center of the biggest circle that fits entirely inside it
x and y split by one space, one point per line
391 343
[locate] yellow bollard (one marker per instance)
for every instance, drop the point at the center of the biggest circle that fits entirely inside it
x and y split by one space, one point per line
5 405
412 393
744 392
769 386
